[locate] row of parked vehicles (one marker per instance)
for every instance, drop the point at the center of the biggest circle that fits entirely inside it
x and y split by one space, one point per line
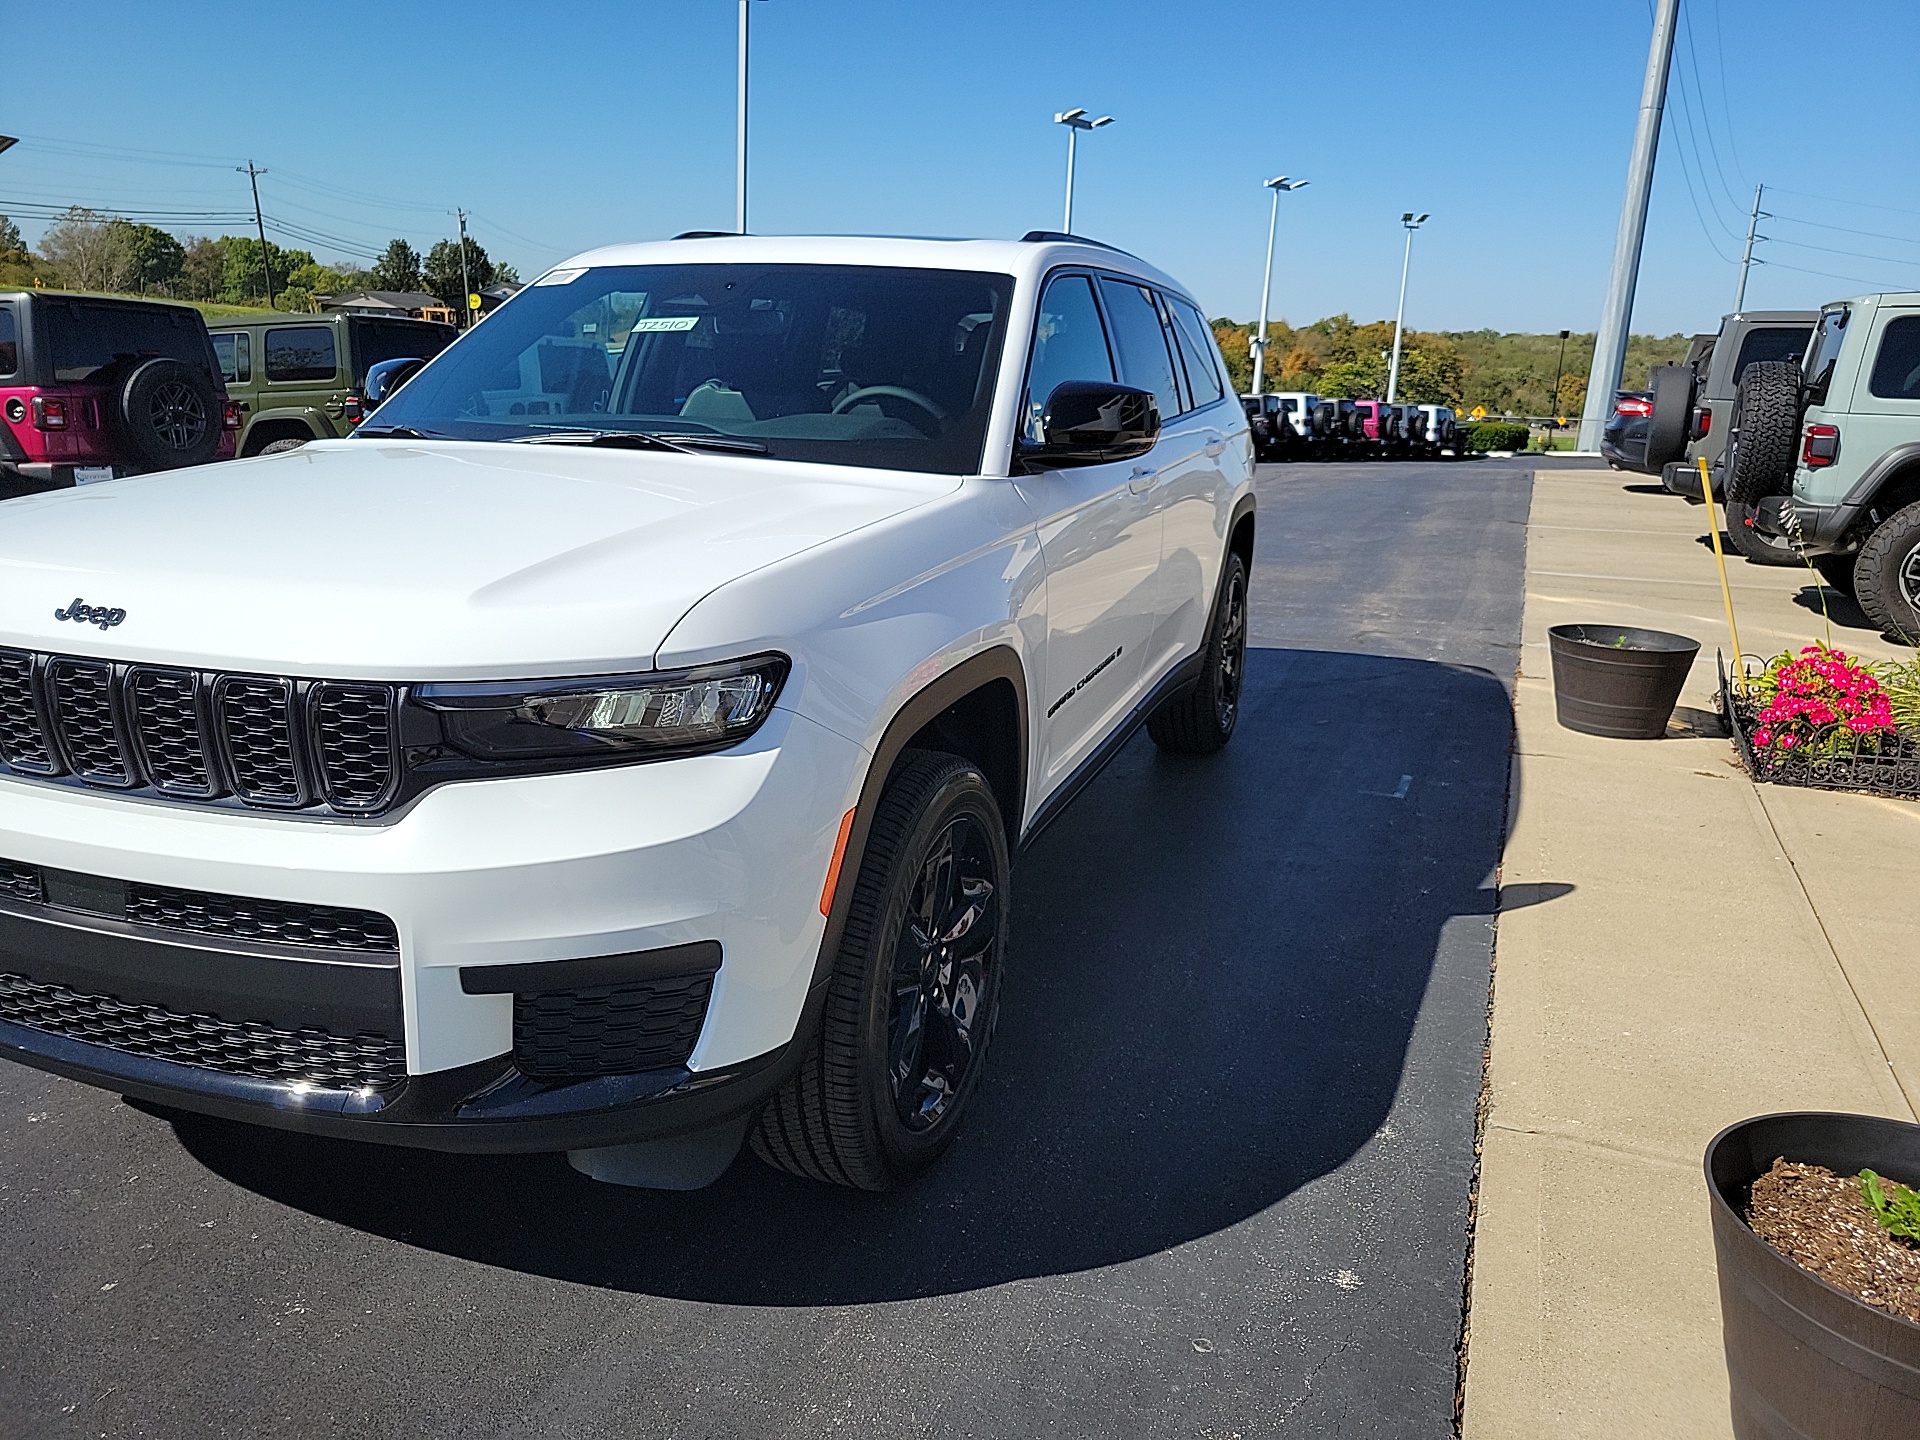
1299 425
96 388
1809 421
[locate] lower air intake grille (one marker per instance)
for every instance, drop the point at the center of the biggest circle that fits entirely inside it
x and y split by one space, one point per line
20 882
610 1029
319 927
332 1062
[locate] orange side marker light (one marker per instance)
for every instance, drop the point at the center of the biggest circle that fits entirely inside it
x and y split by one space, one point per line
833 870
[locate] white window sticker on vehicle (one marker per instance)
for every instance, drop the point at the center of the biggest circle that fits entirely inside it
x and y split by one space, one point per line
660 324
560 277
88 474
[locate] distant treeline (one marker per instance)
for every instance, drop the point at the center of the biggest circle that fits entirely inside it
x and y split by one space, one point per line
1509 374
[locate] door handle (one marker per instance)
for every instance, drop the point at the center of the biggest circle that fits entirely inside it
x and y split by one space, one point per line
1216 444
1141 480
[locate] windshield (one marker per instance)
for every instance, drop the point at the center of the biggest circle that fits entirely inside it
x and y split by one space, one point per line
1825 349
848 365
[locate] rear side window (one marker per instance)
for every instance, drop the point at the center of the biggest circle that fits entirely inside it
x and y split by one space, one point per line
1142 343
377 340
302 353
1069 343
1197 349
1828 337
87 337
1896 369
9 342
235 354
1778 343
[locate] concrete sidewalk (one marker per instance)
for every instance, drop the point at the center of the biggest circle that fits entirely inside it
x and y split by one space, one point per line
1678 948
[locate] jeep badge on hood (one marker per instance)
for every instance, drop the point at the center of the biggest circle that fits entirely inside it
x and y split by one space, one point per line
87 614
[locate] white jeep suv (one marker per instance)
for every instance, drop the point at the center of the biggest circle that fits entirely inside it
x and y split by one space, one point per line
618 746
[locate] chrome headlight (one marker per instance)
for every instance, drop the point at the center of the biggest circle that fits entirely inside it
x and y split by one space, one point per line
665 712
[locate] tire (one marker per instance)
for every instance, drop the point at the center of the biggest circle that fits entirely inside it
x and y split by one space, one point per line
1672 387
879 1097
274 447
1760 548
1202 720
1886 575
169 415
1837 571
1766 430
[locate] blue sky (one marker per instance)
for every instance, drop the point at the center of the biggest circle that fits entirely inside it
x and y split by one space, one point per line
566 126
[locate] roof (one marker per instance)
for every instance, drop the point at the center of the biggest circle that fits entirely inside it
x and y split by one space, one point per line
1024 259
387 300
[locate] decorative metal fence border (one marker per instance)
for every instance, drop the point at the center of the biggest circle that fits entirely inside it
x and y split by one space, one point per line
1889 767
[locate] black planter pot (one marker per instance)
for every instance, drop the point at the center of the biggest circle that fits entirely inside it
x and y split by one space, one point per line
1627 691
1808 1361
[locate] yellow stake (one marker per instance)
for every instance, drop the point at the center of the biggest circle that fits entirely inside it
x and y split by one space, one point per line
1720 559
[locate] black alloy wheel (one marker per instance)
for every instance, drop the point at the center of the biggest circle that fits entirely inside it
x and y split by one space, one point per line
168 415
914 992
1203 720
177 416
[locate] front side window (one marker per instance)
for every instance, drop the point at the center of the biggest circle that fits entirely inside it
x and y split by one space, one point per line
1896 369
1069 343
9 342
1769 343
1828 337
886 366
304 352
1198 349
1142 343
235 354
88 337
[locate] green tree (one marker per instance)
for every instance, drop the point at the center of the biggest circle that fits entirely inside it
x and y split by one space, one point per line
398 267
10 238
245 278
156 256
442 276
203 268
91 251
1359 378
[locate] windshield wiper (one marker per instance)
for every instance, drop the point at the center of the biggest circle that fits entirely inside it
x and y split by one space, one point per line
678 442
399 432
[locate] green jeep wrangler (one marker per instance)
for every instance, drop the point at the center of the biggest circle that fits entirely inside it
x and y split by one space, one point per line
302 377
1829 452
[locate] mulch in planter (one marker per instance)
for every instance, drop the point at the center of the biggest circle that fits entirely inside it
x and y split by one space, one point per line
1818 1220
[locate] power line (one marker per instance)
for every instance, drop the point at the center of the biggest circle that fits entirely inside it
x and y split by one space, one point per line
1849 230
1836 200
1706 122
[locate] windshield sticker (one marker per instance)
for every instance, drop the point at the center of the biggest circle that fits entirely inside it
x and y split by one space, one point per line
560 277
660 324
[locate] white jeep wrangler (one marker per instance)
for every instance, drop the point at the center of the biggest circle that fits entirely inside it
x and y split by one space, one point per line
618 746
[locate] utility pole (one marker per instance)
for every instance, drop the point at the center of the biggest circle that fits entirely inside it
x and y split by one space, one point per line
1075 121
1412 223
1747 260
1280 184
253 174
740 133
466 282
1610 344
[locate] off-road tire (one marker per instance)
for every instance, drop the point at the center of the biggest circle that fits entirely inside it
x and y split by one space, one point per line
1886 575
275 447
837 1119
1749 541
1203 720
1672 387
1766 430
1837 571
168 415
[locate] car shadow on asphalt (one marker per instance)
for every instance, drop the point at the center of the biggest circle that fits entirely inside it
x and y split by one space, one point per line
1216 970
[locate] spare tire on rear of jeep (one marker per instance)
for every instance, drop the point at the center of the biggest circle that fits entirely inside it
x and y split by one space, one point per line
1760 453
1672 387
169 415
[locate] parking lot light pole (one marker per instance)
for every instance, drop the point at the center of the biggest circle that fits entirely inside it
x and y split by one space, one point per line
466 280
1075 121
740 132
1280 184
1412 222
1559 369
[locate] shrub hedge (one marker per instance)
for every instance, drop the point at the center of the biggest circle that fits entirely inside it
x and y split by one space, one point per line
1497 435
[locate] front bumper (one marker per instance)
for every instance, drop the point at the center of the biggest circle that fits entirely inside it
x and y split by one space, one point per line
493 878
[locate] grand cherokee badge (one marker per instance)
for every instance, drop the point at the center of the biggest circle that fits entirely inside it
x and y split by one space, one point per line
87 614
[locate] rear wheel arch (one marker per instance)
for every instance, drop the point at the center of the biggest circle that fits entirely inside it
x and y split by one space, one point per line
264 432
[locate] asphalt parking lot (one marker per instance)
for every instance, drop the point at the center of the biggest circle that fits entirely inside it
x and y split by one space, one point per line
1218 1183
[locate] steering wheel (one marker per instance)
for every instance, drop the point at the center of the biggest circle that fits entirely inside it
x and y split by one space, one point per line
895 392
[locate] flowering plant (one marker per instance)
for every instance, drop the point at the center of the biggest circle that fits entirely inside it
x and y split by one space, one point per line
1818 701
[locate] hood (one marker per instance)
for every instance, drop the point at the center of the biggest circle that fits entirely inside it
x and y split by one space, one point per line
364 559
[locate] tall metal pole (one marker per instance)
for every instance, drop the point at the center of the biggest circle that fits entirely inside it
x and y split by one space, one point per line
740 134
1266 293
253 174
466 280
1610 344
1559 369
1399 318
1066 224
1746 260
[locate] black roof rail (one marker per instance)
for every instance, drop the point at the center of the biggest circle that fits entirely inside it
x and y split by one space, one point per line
708 234
1063 238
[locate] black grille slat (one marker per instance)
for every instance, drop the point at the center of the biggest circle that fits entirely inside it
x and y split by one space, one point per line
173 741
23 740
319 927
610 1029
257 729
20 882
354 734
80 694
312 1056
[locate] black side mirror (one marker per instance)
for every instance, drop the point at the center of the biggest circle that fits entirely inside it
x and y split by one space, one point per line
388 376
1091 422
